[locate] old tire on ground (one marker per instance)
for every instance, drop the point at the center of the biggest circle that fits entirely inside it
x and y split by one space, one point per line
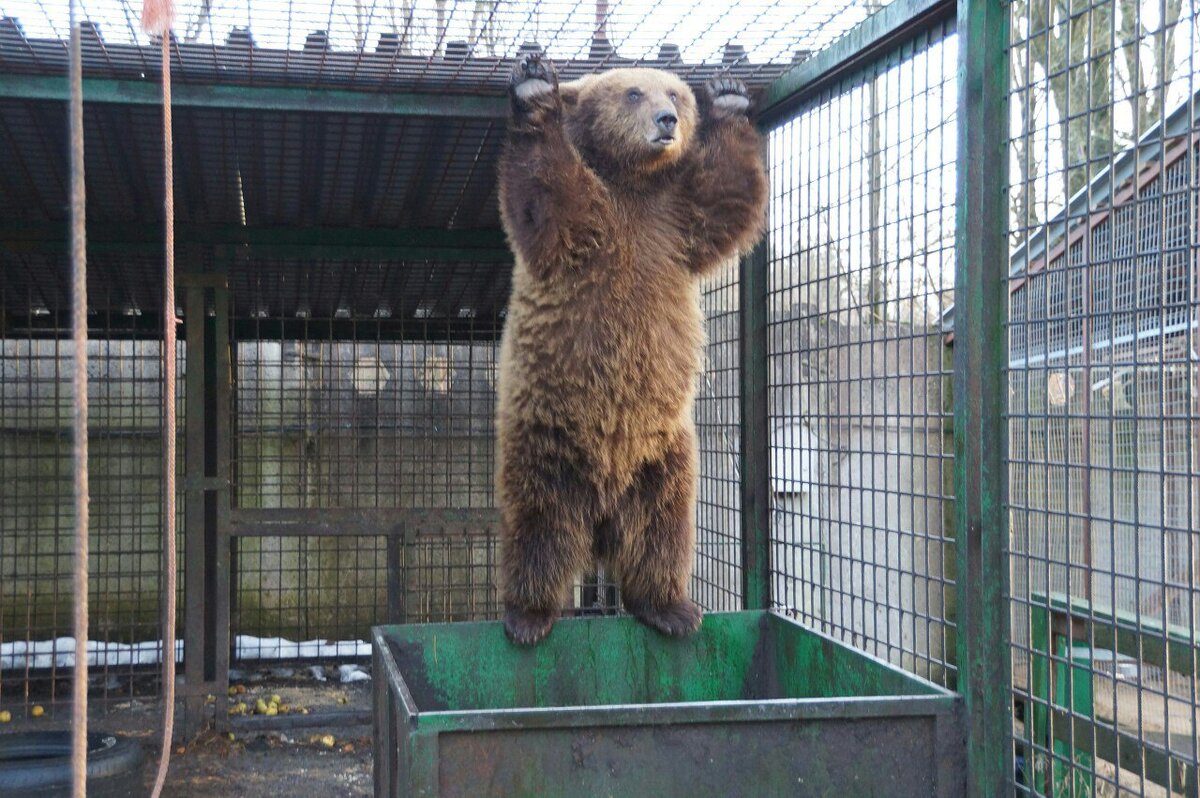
39 764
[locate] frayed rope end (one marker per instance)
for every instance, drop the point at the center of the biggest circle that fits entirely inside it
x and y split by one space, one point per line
158 16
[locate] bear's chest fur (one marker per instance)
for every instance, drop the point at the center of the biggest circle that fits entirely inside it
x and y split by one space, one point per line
610 350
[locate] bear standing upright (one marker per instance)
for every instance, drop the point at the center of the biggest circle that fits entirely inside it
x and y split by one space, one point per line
618 192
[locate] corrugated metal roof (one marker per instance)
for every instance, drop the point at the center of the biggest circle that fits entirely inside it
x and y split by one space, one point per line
246 161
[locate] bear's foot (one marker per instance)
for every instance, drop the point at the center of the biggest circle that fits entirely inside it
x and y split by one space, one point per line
677 620
526 627
532 79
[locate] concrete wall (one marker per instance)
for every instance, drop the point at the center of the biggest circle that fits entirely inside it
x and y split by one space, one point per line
326 425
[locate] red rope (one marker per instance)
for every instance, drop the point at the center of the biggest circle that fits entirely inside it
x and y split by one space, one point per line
79 338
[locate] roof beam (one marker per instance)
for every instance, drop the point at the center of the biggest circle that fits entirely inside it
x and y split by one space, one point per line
862 44
273 328
350 243
260 98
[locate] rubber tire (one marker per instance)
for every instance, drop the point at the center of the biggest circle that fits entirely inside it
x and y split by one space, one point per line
39 764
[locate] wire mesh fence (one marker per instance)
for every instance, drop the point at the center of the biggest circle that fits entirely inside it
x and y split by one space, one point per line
1102 396
717 580
430 45
861 271
369 432
362 402
36 489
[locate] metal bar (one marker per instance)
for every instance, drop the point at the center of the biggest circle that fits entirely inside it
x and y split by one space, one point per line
980 392
863 44
1172 770
353 522
757 711
261 98
1123 632
146 325
395 579
195 565
755 434
384 730
478 246
219 487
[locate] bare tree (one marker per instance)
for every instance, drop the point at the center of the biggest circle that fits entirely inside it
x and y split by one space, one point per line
1147 100
1078 61
483 26
195 27
1025 212
442 22
877 287
404 26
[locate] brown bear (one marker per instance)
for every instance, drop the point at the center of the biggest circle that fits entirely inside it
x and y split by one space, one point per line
618 192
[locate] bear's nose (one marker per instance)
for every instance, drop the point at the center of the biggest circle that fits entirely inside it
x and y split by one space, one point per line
665 121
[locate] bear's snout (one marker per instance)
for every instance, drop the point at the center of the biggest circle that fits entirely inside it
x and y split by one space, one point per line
666 121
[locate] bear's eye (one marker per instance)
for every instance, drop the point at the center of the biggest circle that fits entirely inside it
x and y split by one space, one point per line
674 97
634 95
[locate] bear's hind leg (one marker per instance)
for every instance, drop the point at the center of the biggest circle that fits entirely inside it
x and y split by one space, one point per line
544 544
655 546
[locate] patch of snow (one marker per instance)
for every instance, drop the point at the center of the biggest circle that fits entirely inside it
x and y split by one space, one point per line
352 673
60 652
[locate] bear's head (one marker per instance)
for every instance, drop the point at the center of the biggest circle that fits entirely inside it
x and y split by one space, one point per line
630 121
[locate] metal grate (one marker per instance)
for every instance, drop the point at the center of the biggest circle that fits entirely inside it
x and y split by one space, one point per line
717 580
1102 404
861 270
434 45
35 513
365 423
373 432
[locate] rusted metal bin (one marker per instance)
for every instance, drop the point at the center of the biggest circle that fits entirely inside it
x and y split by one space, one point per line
754 704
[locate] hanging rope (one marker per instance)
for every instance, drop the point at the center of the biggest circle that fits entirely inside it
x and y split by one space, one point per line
157 18
79 338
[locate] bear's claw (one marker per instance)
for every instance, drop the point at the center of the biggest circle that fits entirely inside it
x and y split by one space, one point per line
526 627
532 77
677 620
729 95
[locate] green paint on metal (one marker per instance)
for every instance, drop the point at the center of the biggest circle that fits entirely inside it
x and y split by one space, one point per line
583 663
1063 686
809 664
261 98
862 44
1070 726
607 706
980 394
1171 647
618 661
756 430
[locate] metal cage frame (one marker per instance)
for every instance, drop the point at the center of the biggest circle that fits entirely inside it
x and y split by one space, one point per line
233 294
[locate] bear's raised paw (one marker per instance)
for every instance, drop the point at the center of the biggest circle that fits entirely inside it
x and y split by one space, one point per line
729 95
532 79
677 620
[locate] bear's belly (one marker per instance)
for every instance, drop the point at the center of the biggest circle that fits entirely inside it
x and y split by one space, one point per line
616 374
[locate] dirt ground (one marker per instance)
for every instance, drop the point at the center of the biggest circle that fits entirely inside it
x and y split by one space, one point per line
328 760
272 764
317 760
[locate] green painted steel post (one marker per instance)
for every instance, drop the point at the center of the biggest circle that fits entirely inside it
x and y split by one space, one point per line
980 391
755 430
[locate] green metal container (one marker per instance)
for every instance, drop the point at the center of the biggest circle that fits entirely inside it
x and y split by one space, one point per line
752 705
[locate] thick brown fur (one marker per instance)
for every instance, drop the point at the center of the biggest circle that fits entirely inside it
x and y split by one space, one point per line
604 335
